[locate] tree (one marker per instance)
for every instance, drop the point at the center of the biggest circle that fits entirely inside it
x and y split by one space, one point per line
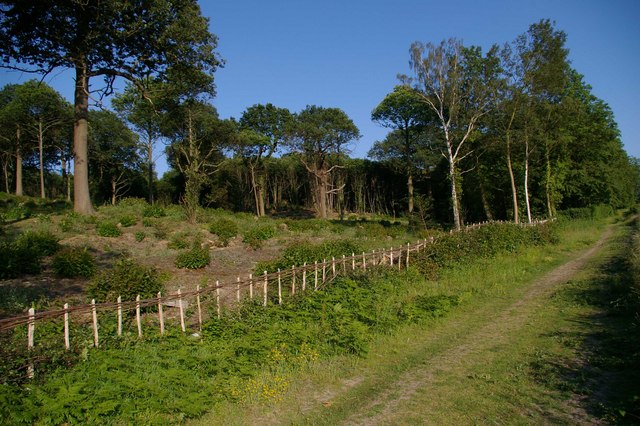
47 115
544 75
264 129
320 135
198 138
146 120
458 85
405 112
111 38
114 158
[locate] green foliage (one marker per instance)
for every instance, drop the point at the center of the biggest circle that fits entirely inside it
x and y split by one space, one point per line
128 220
484 242
42 243
16 261
127 279
257 235
25 253
73 262
140 236
599 211
178 241
154 211
195 258
108 229
225 229
299 253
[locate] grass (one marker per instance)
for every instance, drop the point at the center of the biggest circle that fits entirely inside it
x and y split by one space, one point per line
495 385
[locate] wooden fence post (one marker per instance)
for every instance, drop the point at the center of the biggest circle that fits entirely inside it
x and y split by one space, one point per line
94 317
407 255
279 288
119 315
364 262
138 319
251 286
391 257
315 281
218 299
181 311
344 264
238 289
333 265
31 330
160 314
293 280
324 271
199 307
353 261
67 344
304 276
373 258
266 284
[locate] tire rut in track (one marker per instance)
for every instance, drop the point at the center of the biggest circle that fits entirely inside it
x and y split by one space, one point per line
493 335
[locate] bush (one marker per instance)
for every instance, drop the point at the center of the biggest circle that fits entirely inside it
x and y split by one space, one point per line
74 262
299 253
42 243
127 279
178 241
16 261
127 221
225 229
196 258
140 236
108 229
154 211
256 236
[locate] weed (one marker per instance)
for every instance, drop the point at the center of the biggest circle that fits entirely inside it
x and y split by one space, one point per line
108 229
74 262
225 229
127 279
195 258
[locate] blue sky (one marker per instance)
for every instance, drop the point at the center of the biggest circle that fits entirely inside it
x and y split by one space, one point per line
347 54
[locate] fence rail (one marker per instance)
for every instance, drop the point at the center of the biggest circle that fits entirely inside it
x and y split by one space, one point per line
299 278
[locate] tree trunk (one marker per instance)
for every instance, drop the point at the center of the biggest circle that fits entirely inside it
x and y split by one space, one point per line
454 192
113 191
68 180
5 170
18 172
322 194
485 203
40 149
514 190
526 176
547 157
410 189
150 166
81 195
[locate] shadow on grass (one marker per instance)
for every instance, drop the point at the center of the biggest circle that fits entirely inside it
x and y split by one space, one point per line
603 375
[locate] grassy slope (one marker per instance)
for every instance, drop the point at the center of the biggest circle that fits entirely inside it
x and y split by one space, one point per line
525 376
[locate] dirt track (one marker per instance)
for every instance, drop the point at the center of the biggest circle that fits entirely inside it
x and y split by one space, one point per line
460 359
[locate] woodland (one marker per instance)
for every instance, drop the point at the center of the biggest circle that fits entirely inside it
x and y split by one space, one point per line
513 133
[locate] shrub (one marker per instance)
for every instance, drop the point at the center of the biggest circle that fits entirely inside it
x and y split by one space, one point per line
16 261
196 258
140 236
67 223
299 253
74 262
127 221
127 279
178 241
42 243
108 229
256 236
225 229
154 211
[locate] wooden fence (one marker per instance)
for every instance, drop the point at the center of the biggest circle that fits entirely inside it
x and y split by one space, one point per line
297 279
